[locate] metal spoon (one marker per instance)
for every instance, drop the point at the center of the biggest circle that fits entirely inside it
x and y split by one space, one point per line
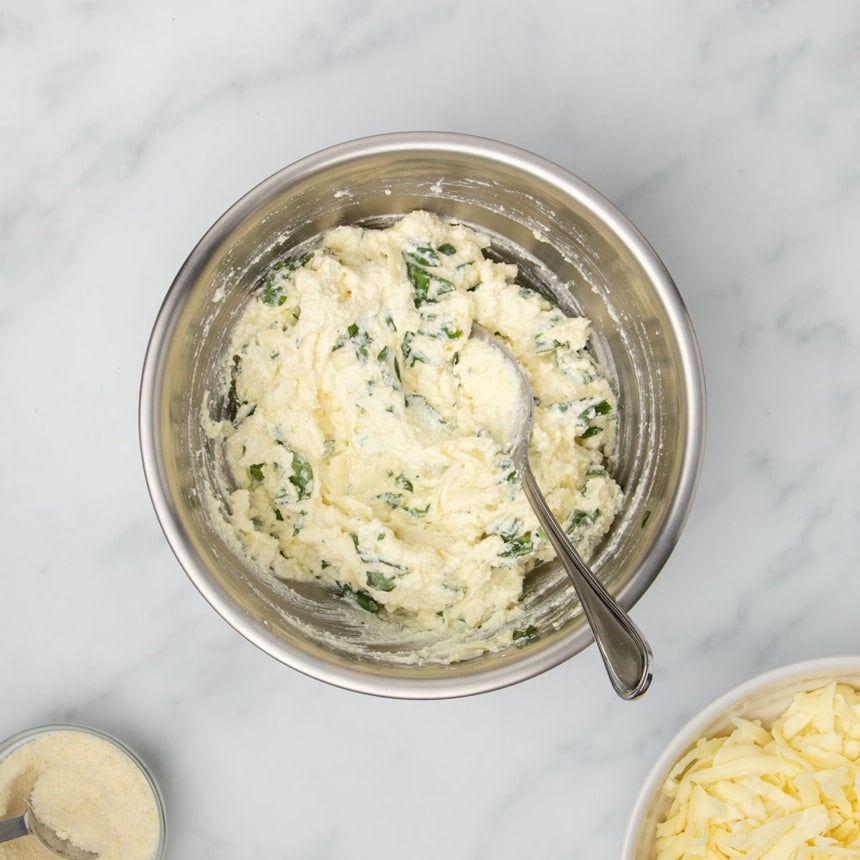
28 825
626 654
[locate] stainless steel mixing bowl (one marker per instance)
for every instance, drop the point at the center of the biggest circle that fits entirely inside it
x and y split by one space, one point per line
569 242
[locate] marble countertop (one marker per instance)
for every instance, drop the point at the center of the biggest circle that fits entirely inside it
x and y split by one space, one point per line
728 132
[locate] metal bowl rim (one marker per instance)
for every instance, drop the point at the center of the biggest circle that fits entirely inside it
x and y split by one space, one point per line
370 682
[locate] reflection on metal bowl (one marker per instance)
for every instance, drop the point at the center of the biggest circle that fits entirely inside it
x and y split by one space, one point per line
568 242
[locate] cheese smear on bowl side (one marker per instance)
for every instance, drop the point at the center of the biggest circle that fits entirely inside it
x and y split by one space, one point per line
788 793
369 436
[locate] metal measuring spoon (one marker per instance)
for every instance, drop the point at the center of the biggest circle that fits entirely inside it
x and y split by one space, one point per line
626 654
29 825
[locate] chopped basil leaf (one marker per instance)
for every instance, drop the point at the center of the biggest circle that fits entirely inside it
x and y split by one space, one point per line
361 341
378 580
303 476
423 255
366 602
361 597
372 559
407 351
272 293
529 633
602 407
591 431
447 248
420 282
580 518
256 472
519 546
393 500
427 286
404 482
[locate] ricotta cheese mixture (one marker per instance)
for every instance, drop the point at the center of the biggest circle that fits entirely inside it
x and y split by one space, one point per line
369 436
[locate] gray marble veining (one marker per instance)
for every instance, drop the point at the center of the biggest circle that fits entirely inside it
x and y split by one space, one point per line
728 132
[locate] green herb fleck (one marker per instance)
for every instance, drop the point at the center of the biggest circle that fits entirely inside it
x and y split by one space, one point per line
423 255
303 476
602 407
378 580
367 558
420 283
272 293
393 500
256 472
448 249
361 341
427 286
580 518
529 633
361 597
519 546
591 431
278 515
403 481
366 602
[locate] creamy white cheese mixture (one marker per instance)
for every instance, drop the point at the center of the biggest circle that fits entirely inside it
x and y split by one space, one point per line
369 436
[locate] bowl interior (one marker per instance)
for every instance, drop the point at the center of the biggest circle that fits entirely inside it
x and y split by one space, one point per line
569 243
765 697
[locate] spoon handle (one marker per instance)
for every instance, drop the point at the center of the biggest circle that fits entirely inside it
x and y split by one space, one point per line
13 828
625 652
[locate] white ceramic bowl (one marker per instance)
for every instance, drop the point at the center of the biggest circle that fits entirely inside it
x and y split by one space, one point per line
764 697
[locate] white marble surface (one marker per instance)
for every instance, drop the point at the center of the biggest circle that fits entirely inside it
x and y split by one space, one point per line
727 131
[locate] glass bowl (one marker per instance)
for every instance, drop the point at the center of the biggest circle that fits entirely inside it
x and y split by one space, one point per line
16 741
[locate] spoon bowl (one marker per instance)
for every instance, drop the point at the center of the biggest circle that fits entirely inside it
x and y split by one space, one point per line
625 652
29 824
